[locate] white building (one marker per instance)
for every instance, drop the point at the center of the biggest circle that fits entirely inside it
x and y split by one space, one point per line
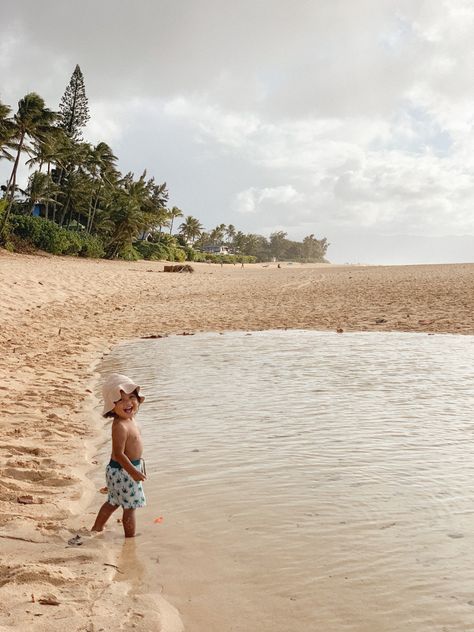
217 250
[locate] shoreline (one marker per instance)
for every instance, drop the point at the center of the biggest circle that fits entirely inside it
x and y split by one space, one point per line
61 316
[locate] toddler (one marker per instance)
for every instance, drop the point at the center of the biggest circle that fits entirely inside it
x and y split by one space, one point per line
126 470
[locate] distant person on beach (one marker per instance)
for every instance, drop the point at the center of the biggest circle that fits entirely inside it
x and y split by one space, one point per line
126 470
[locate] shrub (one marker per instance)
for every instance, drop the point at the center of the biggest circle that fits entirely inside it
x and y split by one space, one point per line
151 251
91 246
129 253
73 245
27 228
5 227
52 238
196 255
193 255
159 251
179 254
8 244
215 258
164 239
41 233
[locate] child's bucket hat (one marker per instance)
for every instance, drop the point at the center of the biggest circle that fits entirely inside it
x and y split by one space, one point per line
112 387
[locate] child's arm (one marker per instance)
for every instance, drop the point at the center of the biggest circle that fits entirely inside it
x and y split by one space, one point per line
119 439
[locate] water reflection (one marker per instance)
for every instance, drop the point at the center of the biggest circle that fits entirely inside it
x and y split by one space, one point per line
130 562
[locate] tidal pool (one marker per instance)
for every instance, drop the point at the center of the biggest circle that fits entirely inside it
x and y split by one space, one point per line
307 480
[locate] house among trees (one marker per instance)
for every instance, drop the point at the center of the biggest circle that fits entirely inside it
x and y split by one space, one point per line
145 235
39 210
217 250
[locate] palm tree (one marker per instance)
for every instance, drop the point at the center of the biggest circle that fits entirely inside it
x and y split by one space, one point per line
74 181
6 131
31 120
230 233
44 148
191 228
161 219
127 213
52 148
204 240
99 160
255 245
101 164
40 189
127 221
174 213
217 234
239 241
157 201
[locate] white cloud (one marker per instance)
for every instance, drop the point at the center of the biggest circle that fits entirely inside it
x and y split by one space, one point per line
325 117
399 174
252 200
228 128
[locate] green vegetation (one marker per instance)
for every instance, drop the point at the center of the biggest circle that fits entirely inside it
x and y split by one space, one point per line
159 251
74 107
77 202
48 236
277 247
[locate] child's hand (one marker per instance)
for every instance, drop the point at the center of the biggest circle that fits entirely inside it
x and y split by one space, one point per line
138 476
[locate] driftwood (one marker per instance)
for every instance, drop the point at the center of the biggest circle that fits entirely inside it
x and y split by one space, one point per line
50 600
182 267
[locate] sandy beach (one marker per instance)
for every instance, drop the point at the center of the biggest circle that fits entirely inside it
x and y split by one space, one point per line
60 316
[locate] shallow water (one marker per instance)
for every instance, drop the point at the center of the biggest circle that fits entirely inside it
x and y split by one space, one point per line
307 480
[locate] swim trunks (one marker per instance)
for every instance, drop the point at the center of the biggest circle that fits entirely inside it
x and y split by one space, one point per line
122 489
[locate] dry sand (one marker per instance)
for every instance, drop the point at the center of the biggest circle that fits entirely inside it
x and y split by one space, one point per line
58 318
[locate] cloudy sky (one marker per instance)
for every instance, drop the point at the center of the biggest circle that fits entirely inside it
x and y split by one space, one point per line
349 119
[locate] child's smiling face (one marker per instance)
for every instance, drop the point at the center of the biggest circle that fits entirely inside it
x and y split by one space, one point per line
127 406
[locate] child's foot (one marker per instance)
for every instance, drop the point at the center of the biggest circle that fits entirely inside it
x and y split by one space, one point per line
85 532
132 535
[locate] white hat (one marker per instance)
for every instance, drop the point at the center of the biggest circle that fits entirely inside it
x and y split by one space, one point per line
112 387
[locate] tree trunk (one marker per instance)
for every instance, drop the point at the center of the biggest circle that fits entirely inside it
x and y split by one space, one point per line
46 210
96 204
12 180
93 214
12 183
159 233
89 214
65 210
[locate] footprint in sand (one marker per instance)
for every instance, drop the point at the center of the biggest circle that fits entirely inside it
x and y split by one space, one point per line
37 475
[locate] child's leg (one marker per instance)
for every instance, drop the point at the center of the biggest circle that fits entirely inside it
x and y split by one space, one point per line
104 514
128 521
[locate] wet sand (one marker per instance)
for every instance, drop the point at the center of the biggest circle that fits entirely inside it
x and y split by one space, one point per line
61 315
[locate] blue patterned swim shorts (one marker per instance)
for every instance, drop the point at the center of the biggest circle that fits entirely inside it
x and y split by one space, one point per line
122 489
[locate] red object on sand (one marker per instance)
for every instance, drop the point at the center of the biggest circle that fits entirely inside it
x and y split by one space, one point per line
158 520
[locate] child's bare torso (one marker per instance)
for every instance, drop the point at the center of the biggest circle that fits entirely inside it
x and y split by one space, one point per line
133 444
